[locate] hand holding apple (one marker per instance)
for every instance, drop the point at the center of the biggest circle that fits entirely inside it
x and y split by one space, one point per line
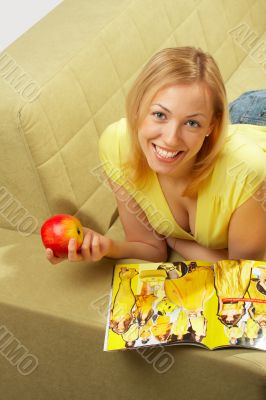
57 231
94 246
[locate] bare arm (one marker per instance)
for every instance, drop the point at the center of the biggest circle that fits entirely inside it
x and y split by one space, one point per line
247 229
191 250
141 251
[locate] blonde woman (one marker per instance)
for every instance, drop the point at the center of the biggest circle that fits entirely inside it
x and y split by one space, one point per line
182 176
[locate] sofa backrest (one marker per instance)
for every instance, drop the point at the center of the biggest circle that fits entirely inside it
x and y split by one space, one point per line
66 79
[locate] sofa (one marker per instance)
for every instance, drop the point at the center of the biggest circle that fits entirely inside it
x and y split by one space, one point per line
61 84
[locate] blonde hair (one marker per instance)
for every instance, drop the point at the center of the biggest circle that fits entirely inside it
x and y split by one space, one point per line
169 67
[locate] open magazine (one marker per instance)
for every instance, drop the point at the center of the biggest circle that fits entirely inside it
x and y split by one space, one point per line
212 305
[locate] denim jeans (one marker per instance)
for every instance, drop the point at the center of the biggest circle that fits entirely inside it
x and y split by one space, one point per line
249 108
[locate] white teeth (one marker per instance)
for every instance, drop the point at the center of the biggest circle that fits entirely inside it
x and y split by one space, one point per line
164 153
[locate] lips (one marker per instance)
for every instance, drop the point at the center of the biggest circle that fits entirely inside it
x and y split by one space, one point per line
165 155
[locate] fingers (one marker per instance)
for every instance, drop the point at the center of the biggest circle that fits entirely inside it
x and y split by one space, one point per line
72 252
91 247
51 258
95 248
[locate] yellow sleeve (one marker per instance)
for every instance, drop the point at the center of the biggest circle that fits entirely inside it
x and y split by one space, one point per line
111 145
239 172
247 172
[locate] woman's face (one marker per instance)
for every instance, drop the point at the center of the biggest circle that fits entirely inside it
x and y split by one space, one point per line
175 127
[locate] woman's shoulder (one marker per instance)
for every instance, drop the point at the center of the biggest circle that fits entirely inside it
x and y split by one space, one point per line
113 139
114 133
244 151
240 168
113 148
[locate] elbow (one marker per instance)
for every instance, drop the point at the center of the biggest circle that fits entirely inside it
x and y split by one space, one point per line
161 255
161 258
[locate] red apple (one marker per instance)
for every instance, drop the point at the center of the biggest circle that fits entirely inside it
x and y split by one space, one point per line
58 230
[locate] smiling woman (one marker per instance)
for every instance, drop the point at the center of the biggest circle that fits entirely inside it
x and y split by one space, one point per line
171 140
189 82
182 175
177 149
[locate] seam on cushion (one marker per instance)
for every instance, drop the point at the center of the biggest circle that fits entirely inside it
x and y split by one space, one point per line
227 21
256 363
118 75
79 84
167 17
251 17
59 149
33 166
59 152
203 30
82 49
134 23
235 44
173 28
244 59
103 105
226 15
76 131
93 193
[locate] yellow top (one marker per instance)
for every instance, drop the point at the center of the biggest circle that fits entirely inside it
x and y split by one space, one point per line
237 174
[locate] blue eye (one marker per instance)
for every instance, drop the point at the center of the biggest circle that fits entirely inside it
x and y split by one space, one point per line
194 124
158 114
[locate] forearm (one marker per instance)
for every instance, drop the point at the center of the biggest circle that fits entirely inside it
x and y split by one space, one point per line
192 250
138 250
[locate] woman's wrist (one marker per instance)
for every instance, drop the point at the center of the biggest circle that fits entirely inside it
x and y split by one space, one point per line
138 250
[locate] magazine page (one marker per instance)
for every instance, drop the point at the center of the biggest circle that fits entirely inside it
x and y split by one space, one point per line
160 304
192 302
241 315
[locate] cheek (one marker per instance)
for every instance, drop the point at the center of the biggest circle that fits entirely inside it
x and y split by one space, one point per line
194 141
146 133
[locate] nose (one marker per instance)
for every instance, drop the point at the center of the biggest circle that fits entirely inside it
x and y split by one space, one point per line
172 135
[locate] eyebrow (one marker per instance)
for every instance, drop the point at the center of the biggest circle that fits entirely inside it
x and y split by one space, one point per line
166 109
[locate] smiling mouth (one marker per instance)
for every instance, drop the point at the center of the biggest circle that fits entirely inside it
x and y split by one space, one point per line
168 155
